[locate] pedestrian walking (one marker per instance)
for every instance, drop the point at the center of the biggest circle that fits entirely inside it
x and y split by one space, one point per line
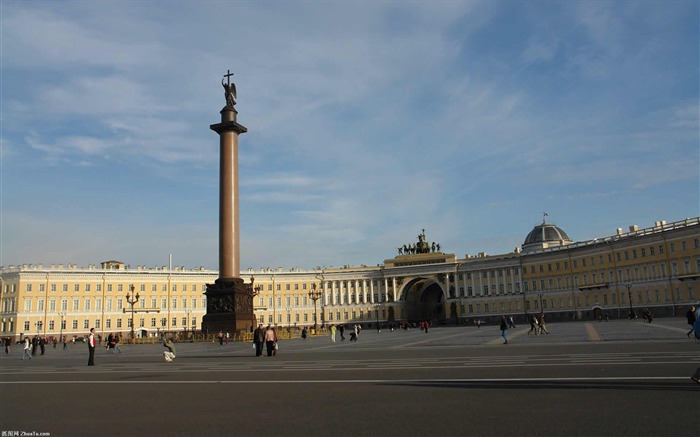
169 354
504 329
42 345
696 375
303 333
533 325
35 344
690 315
259 340
227 337
543 327
92 342
275 347
220 336
270 340
65 342
511 323
341 330
8 344
116 344
27 348
333 329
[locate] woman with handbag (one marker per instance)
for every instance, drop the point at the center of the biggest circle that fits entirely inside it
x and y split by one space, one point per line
270 340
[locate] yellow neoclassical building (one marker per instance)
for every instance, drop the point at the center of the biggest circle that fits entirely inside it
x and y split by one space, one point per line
657 267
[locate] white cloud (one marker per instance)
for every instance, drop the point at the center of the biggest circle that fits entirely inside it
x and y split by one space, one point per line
458 117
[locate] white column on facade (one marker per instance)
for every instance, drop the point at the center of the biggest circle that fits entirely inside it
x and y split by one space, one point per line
357 291
481 285
489 282
371 291
447 285
393 288
386 290
464 283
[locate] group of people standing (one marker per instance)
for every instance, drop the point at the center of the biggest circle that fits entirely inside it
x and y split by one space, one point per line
354 332
267 338
223 338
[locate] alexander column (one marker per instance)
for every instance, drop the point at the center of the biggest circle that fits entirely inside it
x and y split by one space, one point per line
229 300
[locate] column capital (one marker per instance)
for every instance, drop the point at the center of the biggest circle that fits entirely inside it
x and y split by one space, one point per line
228 126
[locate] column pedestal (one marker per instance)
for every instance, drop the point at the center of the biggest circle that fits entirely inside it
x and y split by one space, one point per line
229 307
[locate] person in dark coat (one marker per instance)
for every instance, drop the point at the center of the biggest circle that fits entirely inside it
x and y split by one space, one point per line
690 315
504 329
92 343
259 340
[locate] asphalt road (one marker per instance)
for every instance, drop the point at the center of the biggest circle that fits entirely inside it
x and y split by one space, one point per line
583 379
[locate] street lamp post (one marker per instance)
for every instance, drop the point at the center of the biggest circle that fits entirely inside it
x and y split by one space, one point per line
132 301
256 291
541 295
315 295
629 294
62 315
187 320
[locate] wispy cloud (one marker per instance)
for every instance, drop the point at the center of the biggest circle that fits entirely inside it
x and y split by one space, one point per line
464 118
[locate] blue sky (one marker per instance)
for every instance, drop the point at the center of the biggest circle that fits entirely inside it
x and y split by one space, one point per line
367 122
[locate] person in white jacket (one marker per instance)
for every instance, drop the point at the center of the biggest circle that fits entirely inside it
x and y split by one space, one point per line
27 349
